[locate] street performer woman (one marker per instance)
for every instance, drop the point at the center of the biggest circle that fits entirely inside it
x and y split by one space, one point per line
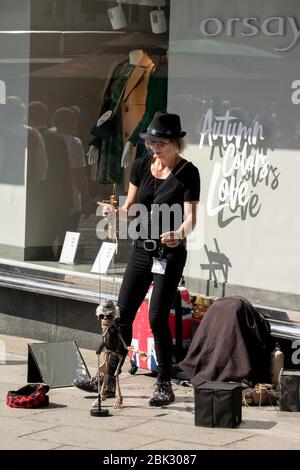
161 180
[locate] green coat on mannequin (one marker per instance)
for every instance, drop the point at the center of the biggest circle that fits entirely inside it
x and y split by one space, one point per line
129 82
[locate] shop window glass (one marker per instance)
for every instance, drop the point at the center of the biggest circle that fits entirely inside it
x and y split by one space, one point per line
75 66
234 79
14 139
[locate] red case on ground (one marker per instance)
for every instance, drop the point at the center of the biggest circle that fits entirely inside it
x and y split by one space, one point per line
142 339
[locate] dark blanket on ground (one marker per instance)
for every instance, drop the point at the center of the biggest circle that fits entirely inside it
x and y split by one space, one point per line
231 343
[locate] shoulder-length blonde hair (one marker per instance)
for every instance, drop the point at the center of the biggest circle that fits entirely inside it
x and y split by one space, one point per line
179 144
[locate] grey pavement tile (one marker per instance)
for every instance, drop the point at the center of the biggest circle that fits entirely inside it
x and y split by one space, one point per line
142 410
71 417
102 439
168 444
258 424
183 413
252 419
13 375
19 427
270 421
190 434
76 402
135 399
23 443
142 389
15 345
260 442
73 448
293 415
19 413
68 395
134 409
67 423
9 384
275 428
136 404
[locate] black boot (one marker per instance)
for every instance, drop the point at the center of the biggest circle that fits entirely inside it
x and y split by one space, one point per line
91 385
110 390
88 385
162 395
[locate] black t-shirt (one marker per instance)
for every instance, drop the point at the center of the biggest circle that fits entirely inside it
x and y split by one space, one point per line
163 193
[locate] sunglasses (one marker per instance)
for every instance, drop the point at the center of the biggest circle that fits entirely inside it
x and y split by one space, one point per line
109 316
158 144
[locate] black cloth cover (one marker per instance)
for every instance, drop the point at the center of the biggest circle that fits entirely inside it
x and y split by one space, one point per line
232 343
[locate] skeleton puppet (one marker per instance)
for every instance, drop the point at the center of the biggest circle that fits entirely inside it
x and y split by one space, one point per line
111 343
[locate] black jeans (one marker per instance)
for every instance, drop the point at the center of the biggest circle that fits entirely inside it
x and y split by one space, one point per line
136 281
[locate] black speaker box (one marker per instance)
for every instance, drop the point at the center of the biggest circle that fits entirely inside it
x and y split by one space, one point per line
218 404
289 387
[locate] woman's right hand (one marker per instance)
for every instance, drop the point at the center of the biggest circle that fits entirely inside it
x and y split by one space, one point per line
107 210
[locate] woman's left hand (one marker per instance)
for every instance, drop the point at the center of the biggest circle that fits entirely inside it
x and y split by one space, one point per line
171 239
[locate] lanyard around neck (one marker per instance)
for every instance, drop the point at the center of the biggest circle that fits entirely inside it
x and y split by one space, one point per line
171 175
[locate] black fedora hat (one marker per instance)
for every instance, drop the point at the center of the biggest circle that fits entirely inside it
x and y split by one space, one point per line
164 126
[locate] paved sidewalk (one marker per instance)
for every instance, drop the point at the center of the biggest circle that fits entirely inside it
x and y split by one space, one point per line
67 423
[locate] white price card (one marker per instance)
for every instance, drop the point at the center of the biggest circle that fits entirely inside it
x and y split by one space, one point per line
69 247
104 258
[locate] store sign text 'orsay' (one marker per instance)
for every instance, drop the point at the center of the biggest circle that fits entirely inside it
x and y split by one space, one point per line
252 26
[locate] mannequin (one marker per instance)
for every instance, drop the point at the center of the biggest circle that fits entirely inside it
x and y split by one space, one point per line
127 154
157 92
135 56
125 94
103 155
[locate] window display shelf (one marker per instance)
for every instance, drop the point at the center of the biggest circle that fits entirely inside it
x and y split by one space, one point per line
58 282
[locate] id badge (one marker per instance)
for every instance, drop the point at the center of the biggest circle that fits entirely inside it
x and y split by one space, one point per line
159 266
